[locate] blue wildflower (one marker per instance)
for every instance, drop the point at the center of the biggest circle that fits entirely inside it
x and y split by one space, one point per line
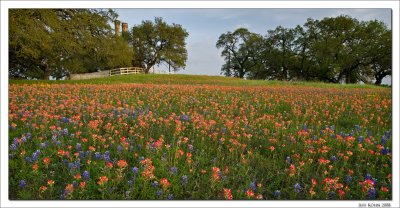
154 184
277 193
86 175
78 147
372 193
174 170
135 170
13 147
22 183
64 131
360 139
97 156
159 193
253 186
384 151
334 158
185 118
348 179
184 179
297 188
170 196
119 148
288 160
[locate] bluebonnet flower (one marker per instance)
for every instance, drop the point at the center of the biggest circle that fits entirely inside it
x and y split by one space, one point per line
97 156
297 188
372 193
154 184
54 137
28 160
65 119
135 170
130 182
383 140
348 179
28 135
13 147
78 147
106 157
82 154
332 127
277 193
184 179
75 184
22 183
384 151
357 127
170 196
368 176
86 175
43 145
253 186
159 193
223 129
72 136
360 139
334 158
15 142
23 139
58 143
185 118
288 160
305 127
174 170
35 156
64 131
388 134
119 148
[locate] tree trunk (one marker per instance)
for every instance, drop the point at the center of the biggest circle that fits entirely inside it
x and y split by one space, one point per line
46 71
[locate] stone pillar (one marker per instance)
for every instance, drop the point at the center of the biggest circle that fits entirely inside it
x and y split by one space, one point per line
124 27
117 27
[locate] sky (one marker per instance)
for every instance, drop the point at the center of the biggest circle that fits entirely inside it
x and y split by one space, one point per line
206 25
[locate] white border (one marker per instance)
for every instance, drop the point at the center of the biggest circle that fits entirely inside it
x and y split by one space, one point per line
5 5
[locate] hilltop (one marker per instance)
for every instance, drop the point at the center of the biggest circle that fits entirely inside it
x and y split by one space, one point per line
181 79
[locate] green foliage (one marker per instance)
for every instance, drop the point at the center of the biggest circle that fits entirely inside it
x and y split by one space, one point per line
240 50
57 42
157 42
340 49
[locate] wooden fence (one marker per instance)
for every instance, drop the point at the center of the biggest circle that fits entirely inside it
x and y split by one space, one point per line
127 70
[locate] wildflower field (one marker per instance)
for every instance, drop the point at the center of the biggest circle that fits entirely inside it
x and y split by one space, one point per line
200 141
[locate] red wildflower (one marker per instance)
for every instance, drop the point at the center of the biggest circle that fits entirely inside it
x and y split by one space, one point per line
122 164
102 180
228 194
164 183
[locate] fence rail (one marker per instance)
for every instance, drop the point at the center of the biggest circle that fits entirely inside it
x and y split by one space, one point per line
127 70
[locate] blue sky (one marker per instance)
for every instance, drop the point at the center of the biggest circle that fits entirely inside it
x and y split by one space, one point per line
206 25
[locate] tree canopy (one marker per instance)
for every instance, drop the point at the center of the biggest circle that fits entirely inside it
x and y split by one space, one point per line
57 42
157 42
339 49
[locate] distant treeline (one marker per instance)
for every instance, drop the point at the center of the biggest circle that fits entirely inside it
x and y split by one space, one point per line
46 43
340 49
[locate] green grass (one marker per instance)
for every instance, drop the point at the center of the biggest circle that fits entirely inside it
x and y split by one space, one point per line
181 79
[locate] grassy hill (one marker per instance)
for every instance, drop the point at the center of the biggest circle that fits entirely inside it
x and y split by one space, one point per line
181 79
